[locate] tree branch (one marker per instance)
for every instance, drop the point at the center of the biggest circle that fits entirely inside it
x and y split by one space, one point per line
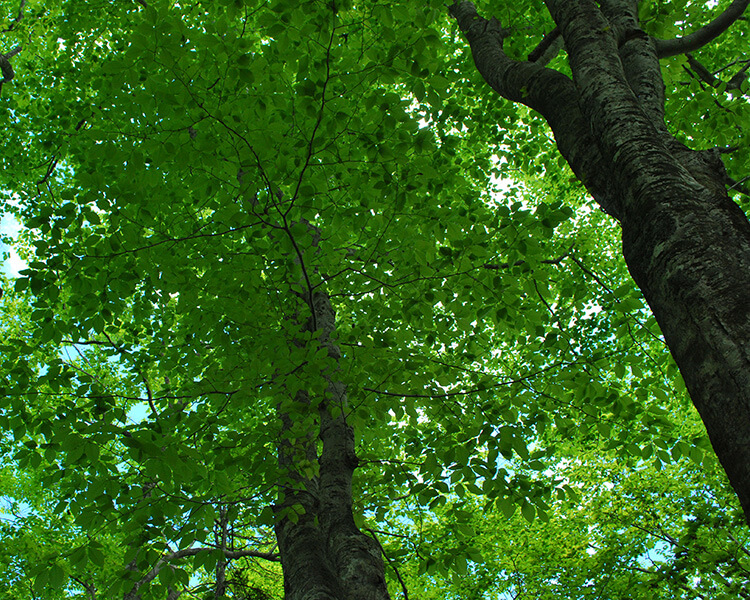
591 274
699 70
391 563
228 554
547 91
515 80
5 66
541 54
704 35
18 18
89 587
737 185
518 263
640 63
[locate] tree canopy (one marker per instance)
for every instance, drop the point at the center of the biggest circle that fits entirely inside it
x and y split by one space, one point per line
310 310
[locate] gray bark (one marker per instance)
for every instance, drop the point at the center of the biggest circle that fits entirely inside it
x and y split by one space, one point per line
686 244
323 553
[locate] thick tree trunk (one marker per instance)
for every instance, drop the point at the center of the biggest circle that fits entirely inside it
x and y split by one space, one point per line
323 553
687 245
689 252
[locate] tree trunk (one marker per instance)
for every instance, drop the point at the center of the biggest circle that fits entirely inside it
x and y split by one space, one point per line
323 553
686 244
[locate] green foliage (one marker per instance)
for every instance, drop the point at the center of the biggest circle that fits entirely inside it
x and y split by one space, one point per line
625 533
185 173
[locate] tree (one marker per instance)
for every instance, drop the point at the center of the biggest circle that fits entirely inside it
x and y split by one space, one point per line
276 309
614 540
684 240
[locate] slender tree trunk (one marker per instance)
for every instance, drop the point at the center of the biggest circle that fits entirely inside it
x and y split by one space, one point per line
323 553
686 244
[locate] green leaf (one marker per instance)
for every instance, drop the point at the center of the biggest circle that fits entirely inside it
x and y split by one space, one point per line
57 576
528 511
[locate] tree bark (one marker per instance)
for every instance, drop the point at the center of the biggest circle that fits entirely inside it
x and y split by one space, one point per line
686 244
323 553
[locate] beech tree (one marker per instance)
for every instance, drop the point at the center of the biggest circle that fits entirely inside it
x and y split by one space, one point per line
301 292
684 240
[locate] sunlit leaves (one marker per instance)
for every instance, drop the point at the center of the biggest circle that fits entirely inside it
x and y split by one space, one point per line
214 166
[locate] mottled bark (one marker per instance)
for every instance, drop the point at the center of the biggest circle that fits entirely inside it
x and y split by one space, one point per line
687 245
323 553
